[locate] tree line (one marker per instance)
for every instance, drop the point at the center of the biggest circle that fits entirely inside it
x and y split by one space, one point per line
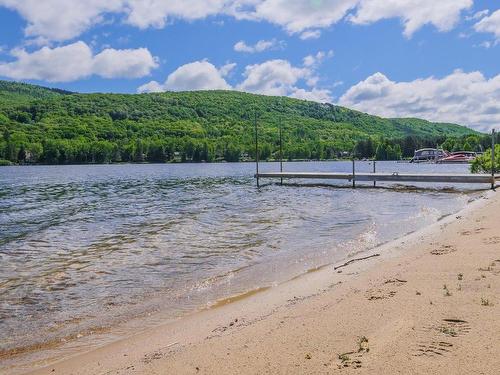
187 149
401 148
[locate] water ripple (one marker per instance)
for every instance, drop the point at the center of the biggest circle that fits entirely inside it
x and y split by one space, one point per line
92 246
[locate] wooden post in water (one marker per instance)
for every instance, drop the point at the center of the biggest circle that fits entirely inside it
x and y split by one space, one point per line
281 151
493 159
374 171
256 150
353 173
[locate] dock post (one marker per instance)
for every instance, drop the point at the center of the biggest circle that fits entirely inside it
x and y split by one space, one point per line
493 159
353 174
256 150
281 151
374 171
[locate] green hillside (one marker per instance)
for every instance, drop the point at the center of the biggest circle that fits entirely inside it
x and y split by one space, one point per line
12 93
54 126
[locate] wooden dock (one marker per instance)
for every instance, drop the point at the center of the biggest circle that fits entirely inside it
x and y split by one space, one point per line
386 177
374 177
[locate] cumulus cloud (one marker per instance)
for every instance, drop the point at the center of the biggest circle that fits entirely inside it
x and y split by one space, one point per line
296 16
126 63
272 77
315 95
443 14
478 15
260 46
464 98
76 61
59 20
490 24
198 75
151 86
280 77
155 13
310 34
226 70
316 60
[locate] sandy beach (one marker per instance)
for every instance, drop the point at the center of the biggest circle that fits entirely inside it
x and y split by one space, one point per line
424 304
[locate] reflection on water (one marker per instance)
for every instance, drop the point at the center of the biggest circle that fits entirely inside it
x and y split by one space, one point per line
87 247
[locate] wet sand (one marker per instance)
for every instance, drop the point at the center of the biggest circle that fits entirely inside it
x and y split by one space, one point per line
429 303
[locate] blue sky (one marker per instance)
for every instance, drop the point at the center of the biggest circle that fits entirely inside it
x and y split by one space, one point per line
423 58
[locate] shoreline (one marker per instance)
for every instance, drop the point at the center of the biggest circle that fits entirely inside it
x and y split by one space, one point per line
193 336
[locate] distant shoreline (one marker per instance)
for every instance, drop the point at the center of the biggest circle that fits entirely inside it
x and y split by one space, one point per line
201 162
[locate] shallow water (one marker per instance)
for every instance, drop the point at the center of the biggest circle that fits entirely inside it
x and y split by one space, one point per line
87 248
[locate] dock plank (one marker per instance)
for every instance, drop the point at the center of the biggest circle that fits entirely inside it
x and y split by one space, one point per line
385 177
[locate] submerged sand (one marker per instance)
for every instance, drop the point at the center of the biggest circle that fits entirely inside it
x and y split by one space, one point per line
429 304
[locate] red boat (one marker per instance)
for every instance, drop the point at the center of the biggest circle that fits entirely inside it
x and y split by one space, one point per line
459 157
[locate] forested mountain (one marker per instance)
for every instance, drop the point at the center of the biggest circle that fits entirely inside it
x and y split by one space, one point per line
12 93
40 125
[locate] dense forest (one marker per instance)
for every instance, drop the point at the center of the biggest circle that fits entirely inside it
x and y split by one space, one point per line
41 125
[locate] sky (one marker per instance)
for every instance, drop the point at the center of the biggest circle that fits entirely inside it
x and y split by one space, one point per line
432 59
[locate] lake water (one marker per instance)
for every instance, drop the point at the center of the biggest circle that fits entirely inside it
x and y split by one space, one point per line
85 249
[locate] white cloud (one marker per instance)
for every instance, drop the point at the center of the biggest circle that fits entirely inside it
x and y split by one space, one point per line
490 24
198 75
272 77
310 34
279 77
151 86
307 17
155 13
76 61
464 98
486 44
127 63
316 60
478 15
260 46
443 14
297 16
59 20
315 95
226 70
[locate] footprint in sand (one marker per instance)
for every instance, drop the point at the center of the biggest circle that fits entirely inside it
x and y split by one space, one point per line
353 359
350 360
492 240
450 327
435 345
383 292
433 349
444 249
454 327
148 358
380 294
491 268
469 232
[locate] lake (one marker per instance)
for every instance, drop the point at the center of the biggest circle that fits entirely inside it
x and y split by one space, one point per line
85 250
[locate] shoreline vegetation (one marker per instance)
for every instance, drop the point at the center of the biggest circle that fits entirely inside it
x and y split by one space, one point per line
482 163
425 303
39 125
